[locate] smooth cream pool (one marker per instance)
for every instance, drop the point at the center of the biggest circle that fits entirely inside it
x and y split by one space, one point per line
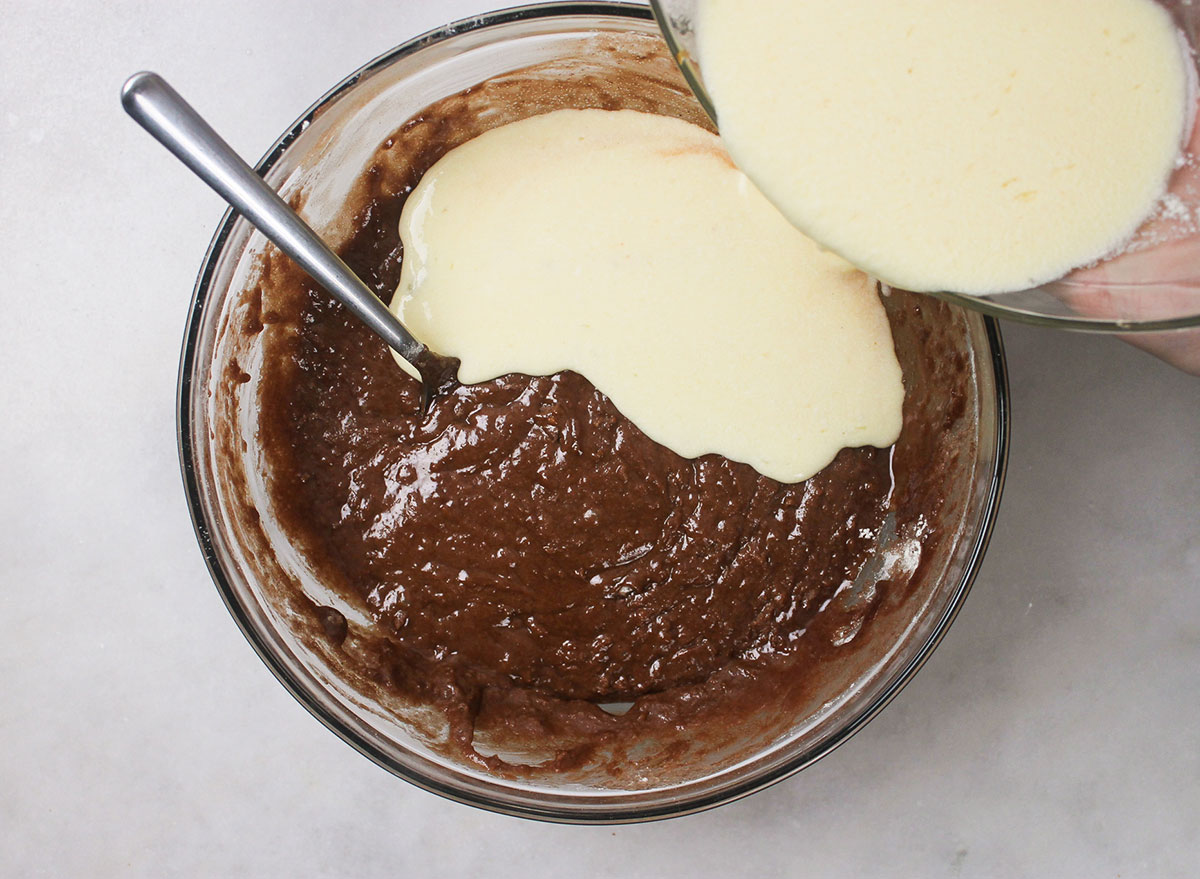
626 247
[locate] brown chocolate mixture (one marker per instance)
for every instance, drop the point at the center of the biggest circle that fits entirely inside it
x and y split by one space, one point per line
527 552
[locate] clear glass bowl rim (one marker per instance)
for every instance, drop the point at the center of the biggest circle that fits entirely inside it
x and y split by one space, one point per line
551 812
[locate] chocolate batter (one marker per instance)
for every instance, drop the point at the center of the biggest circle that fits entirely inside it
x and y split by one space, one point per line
527 554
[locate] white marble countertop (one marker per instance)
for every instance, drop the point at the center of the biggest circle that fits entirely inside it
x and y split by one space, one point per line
1055 732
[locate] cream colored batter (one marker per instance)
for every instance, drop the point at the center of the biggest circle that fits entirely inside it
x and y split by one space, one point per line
978 146
626 247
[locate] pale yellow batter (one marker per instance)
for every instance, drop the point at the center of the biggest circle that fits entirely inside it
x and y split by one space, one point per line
977 146
626 246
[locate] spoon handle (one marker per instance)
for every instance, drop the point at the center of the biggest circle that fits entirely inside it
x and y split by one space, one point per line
160 110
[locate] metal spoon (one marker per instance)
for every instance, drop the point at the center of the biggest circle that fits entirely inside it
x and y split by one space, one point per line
160 110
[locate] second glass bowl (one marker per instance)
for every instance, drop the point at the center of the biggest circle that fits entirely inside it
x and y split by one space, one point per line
1153 285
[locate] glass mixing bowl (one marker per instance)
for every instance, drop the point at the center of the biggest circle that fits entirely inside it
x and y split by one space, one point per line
1154 284
270 589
